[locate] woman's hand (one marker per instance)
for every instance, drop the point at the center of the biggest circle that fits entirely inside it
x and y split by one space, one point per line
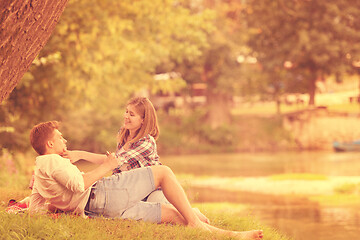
124 167
111 160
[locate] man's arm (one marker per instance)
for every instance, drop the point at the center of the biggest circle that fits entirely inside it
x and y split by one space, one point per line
76 155
108 164
37 204
69 176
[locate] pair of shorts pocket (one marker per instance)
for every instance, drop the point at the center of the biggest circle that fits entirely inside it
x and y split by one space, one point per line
116 202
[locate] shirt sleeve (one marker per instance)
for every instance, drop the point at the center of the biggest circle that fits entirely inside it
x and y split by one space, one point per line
137 155
69 176
37 203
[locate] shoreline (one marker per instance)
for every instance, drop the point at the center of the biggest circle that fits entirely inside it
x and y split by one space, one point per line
263 189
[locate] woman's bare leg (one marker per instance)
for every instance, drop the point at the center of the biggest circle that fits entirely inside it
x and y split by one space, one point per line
165 178
201 216
245 235
169 214
168 209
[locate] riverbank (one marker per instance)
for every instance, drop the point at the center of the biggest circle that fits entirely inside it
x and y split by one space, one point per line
266 185
328 191
305 129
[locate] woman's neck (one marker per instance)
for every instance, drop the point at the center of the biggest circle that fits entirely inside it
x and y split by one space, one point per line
131 136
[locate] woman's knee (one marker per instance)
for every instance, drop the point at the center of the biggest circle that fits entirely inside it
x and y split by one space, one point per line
161 171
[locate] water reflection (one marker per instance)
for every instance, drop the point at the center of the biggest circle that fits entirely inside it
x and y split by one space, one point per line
294 216
264 164
312 223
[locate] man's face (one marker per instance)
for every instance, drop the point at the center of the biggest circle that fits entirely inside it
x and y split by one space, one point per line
58 142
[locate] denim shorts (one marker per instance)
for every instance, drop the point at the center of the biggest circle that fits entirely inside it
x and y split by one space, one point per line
120 195
157 196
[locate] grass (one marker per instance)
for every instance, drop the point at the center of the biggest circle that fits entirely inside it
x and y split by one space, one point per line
9 193
336 200
266 108
298 176
223 215
269 108
22 226
348 188
348 108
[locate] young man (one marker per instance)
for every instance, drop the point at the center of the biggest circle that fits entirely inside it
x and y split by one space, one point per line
60 185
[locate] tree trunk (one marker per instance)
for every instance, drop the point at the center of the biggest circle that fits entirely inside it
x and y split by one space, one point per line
218 112
278 106
312 89
25 27
218 104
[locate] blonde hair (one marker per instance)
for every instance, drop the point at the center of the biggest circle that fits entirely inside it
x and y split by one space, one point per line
150 126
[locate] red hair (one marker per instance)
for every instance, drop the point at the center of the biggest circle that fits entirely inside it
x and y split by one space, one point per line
41 133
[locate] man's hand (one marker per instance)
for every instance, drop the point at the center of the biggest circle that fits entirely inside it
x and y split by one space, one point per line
72 155
107 165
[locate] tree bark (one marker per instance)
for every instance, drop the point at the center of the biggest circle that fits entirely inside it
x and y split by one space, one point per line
25 27
312 88
218 108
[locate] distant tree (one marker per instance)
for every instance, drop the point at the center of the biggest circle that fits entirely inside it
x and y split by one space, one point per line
25 27
304 40
218 67
100 54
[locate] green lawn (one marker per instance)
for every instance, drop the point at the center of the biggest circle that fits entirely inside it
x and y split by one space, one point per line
23 226
269 108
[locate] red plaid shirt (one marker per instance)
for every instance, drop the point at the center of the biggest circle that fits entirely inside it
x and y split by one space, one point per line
140 154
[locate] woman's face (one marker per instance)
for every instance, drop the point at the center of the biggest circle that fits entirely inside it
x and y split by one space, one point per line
132 119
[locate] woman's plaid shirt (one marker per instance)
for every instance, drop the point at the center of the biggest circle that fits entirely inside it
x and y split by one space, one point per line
140 154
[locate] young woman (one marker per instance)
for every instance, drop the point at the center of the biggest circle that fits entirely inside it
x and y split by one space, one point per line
136 145
136 139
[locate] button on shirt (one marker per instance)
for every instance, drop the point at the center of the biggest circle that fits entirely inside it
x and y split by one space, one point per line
59 183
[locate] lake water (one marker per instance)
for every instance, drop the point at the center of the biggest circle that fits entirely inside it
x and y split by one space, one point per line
300 219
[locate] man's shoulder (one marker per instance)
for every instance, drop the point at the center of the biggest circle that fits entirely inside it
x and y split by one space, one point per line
51 159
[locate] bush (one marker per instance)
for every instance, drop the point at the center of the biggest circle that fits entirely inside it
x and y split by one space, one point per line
347 188
189 133
15 169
